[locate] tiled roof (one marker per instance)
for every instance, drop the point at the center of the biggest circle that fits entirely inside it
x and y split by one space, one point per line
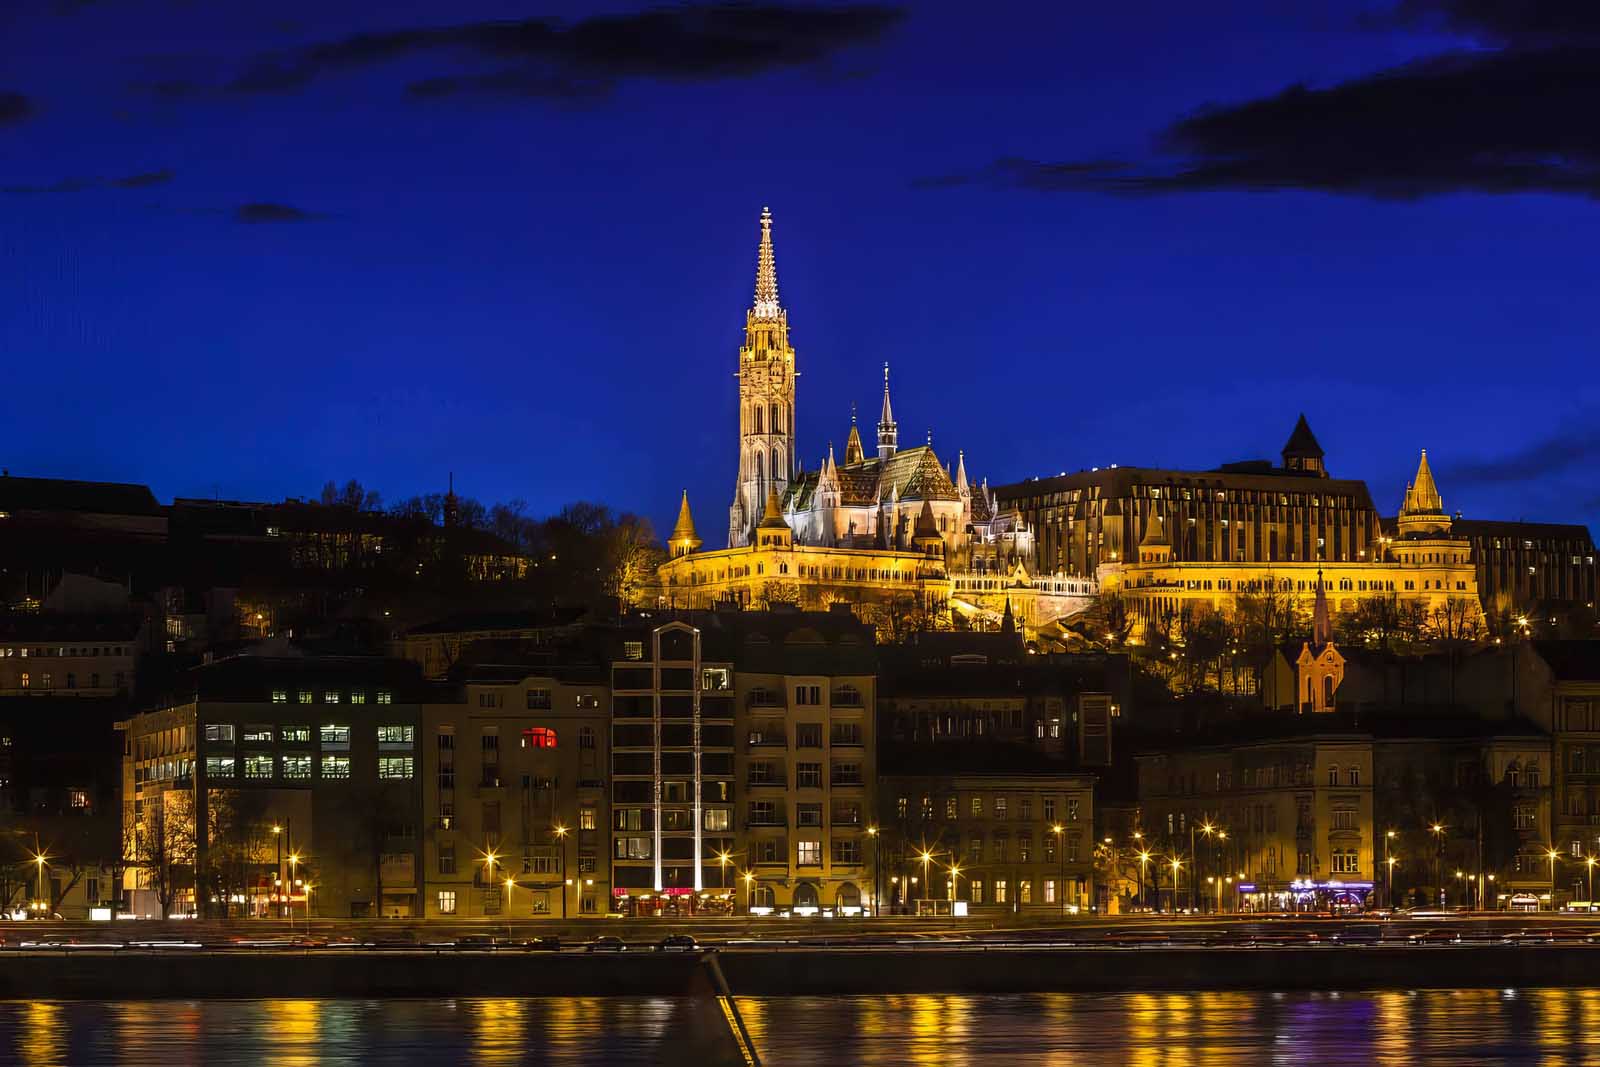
61 494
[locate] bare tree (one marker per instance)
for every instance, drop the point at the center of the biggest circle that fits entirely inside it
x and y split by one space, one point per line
160 844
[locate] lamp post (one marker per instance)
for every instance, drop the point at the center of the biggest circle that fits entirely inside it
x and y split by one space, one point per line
561 866
1590 862
45 902
955 873
749 888
1388 885
1144 862
277 871
1061 854
877 875
1194 882
1438 859
926 857
1176 864
1552 855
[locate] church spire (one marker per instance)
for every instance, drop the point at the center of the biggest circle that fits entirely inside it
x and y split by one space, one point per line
683 540
888 430
852 444
766 305
1422 513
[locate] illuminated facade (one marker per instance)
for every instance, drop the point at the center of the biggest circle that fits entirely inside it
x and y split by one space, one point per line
893 531
1171 541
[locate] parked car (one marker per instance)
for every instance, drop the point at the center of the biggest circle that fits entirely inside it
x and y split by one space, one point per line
607 943
677 943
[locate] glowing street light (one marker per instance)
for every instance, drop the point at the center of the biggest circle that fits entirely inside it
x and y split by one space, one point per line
1552 855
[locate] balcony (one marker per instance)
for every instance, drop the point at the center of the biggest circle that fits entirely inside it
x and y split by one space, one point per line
845 698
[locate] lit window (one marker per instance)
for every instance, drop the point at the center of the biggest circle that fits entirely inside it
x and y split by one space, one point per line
539 700
258 734
395 766
539 737
586 819
330 697
633 649
219 732
396 735
333 734
303 696
335 766
447 902
808 853
219 766
358 696
279 696
385 697
258 766
297 766
301 734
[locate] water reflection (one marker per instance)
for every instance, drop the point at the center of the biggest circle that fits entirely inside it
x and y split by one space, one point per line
1380 1029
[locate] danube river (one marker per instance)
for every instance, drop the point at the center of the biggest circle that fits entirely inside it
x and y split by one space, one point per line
1540 1026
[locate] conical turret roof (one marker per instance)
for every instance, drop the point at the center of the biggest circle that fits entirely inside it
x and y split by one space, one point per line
1422 495
683 530
1302 442
766 302
772 516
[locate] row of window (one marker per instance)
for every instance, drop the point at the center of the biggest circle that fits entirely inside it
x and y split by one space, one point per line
1000 848
328 734
25 651
47 680
999 807
331 696
299 767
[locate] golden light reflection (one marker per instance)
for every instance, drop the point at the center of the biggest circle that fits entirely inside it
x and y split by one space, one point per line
500 1031
44 1034
295 1027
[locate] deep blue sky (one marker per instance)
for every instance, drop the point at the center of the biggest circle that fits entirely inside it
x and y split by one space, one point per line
544 291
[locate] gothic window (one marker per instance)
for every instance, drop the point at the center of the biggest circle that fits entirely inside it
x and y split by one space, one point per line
758 418
775 421
776 458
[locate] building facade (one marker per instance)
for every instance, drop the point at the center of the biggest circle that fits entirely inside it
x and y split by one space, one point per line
266 773
514 795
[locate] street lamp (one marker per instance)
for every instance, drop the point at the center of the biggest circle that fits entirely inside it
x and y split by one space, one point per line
1552 855
1590 862
749 888
877 875
1061 854
955 873
1176 864
39 861
1144 862
1388 888
277 837
1438 859
561 860
926 857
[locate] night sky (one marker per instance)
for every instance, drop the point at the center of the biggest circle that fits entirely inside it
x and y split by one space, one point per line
249 247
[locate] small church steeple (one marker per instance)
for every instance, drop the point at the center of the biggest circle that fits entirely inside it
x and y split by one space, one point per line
1302 452
683 540
888 429
852 445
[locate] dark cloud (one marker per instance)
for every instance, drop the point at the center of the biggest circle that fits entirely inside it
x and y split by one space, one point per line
1541 459
79 185
266 212
1514 117
14 108
549 58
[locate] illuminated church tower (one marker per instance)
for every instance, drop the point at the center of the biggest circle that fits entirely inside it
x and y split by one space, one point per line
766 399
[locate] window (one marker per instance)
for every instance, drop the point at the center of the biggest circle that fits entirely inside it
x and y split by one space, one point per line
447 857
78 799
385 697
539 700
977 807
447 901
1024 850
951 808
999 890
900 807
716 678
539 737
586 737
280 697
846 851
295 734
258 766
1333 775
218 732
808 853
358 696
1049 809
808 735
1354 776
633 848
1000 807
336 735
1525 816
1345 861
303 696
975 887
1344 819
764 813
808 695
298 766
808 815
1025 891
716 818
808 775
260 735
1072 809
335 766
396 735
633 650
219 766
395 766
330 697
1049 890
587 701
1025 806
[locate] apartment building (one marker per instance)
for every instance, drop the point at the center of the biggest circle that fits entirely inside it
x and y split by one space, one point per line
514 794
